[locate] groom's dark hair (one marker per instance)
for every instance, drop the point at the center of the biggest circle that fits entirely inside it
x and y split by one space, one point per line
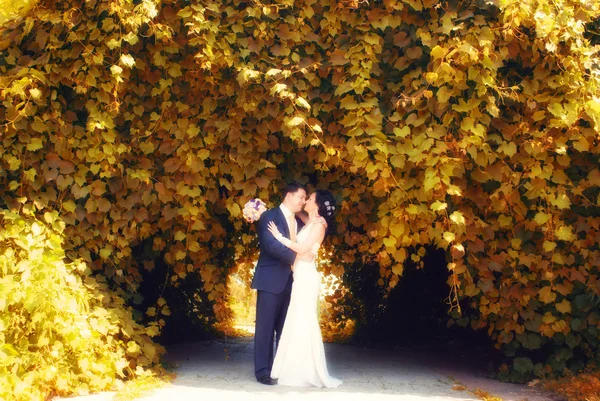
292 188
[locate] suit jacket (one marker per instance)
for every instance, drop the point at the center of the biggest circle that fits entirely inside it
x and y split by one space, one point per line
275 260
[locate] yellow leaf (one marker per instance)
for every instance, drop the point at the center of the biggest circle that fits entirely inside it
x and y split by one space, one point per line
133 347
35 93
106 252
549 246
471 290
300 101
273 72
38 126
43 341
509 149
400 255
564 306
35 144
175 70
437 52
562 201
457 217
431 182
402 132
505 220
437 206
565 233
69 206
147 147
549 318
539 115
546 295
541 218
398 269
234 209
448 236
295 121
116 70
389 242
127 60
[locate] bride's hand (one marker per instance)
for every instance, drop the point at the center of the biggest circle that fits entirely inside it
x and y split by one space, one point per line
273 229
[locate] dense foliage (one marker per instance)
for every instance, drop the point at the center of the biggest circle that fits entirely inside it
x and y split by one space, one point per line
62 330
473 126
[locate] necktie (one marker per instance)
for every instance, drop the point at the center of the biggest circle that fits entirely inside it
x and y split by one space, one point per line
292 226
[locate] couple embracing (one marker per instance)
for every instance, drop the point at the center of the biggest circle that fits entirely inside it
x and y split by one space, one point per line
288 285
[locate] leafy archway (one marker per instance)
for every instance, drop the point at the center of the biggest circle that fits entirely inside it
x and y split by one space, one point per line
472 126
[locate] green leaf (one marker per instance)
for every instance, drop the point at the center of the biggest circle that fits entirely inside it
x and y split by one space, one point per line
523 365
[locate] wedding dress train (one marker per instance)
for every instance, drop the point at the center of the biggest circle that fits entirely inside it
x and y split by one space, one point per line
300 358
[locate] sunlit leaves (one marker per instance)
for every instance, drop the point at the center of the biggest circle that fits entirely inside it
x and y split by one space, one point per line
80 339
457 217
471 128
295 121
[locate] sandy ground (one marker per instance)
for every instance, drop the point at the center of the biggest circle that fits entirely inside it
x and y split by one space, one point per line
223 370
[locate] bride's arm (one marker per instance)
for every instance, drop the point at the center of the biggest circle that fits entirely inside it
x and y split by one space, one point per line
316 235
303 216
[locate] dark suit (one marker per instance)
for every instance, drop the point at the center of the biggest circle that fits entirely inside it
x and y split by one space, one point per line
273 280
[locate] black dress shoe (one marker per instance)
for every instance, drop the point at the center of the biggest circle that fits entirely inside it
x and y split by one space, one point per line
267 380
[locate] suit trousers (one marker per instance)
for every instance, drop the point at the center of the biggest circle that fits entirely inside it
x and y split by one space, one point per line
271 310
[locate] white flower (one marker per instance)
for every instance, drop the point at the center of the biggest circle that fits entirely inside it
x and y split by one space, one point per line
326 203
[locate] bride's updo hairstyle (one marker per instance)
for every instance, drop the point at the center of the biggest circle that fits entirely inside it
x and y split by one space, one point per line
327 209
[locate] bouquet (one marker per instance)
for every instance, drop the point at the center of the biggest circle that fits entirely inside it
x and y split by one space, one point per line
253 209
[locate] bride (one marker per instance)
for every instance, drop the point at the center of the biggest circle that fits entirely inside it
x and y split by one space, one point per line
300 357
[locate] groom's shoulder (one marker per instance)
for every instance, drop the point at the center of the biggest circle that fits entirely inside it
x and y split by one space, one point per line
270 212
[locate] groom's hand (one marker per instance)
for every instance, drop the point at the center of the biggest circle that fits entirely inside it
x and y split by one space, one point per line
306 256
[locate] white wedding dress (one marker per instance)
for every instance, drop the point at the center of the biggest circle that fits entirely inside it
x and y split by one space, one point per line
300 357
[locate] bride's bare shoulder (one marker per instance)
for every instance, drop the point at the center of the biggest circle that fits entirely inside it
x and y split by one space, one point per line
321 220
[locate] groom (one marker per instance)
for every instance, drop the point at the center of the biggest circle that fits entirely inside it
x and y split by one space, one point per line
273 277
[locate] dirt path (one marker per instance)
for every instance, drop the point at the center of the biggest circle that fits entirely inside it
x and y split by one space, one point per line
205 371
